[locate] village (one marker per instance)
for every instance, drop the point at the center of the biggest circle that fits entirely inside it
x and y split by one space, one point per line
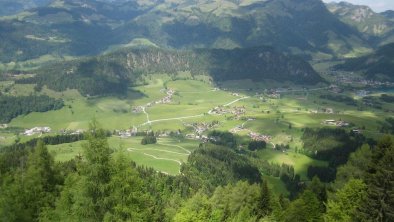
221 110
350 78
45 130
37 130
165 100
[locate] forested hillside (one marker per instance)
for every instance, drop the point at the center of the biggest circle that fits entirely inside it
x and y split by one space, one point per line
76 28
378 65
217 184
114 72
11 107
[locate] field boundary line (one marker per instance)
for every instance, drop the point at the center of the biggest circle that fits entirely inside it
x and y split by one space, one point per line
155 157
176 118
183 148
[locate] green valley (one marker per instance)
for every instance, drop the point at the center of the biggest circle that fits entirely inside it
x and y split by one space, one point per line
196 111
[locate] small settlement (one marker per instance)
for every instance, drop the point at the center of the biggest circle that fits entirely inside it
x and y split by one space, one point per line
37 130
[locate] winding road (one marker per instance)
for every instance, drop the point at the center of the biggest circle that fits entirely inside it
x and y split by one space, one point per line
246 97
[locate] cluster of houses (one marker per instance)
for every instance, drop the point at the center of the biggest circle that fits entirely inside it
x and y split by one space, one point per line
71 132
200 128
167 99
220 110
339 123
253 135
322 110
362 93
259 137
345 78
37 130
335 89
138 109
274 95
193 136
126 133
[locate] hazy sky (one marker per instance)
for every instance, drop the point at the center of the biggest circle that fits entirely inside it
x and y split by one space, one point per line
376 5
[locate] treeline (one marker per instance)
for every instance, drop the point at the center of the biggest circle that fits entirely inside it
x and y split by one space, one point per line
11 156
149 138
211 166
283 171
13 106
387 98
89 76
340 98
223 138
330 144
388 126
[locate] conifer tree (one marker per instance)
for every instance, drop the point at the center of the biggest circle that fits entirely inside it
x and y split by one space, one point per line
379 205
264 205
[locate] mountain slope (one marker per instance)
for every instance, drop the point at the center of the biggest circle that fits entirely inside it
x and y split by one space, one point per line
361 17
377 27
301 26
71 27
379 65
114 72
81 27
10 7
388 14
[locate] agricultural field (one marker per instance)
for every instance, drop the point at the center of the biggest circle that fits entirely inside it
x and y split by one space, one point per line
187 106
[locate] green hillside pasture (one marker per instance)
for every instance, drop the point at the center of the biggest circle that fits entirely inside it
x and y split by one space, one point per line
299 161
66 151
21 90
165 156
189 86
78 113
6 139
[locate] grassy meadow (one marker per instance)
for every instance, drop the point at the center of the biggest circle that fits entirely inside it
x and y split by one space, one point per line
165 156
281 118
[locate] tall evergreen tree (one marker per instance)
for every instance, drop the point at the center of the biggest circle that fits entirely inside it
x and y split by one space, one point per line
347 200
306 208
264 205
379 205
129 199
29 190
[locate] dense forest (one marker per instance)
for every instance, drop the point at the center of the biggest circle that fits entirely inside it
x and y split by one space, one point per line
216 184
13 106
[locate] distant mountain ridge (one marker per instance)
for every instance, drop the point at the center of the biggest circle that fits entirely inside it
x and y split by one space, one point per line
377 27
81 27
362 17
